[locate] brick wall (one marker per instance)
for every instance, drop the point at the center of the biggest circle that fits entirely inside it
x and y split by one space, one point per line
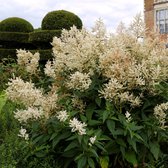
149 18
149 14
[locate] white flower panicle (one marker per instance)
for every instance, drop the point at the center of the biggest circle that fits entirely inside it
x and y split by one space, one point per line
79 81
128 116
76 50
92 140
160 113
24 92
49 69
32 113
116 91
23 134
62 116
28 60
78 126
49 103
111 89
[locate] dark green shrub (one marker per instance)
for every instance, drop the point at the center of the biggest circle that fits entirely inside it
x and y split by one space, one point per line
14 36
60 19
42 39
44 35
7 53
11 53
44 54
15 24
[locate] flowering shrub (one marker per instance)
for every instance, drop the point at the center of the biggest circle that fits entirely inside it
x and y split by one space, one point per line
107 104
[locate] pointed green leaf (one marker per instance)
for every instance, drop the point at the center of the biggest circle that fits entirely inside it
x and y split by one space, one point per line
91 163
104 161
105 115
3 99
72 145
111 126
155 149
130 156
98 101
82 162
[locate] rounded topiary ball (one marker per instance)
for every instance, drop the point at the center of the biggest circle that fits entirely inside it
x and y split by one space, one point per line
15 24
60 19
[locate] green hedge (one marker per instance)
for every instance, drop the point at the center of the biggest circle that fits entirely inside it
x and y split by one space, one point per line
12 40
44 54
14 36
7 53
60 19
15 24
11 53
43 35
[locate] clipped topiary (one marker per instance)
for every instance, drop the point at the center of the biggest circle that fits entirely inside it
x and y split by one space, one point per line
42 39
60 19
15 24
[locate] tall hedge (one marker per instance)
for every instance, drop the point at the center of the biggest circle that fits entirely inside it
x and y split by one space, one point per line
15 24
60 19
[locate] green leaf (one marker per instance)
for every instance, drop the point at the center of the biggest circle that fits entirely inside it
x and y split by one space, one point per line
98 101
121 142
132 142
99 145
37 139
3 99
83 118
138 137
59 137
112 147
71 138
119 131
130 156
53 135
111 125
104 161
155 149
110 107
105 115
82 162
91 163
94 123
80 139
93 152
134 127
72 145
40 154
70 153
89 111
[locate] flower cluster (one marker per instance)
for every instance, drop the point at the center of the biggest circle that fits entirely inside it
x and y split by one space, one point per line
29 61
160 113
79 81
24 92
36 102
62 116
128 116
92 140
32 113
78 126
49 69
23 134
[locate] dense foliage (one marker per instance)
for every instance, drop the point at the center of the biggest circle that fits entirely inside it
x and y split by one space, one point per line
14 37
15 24
44 35
43 38
101 102
60 19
